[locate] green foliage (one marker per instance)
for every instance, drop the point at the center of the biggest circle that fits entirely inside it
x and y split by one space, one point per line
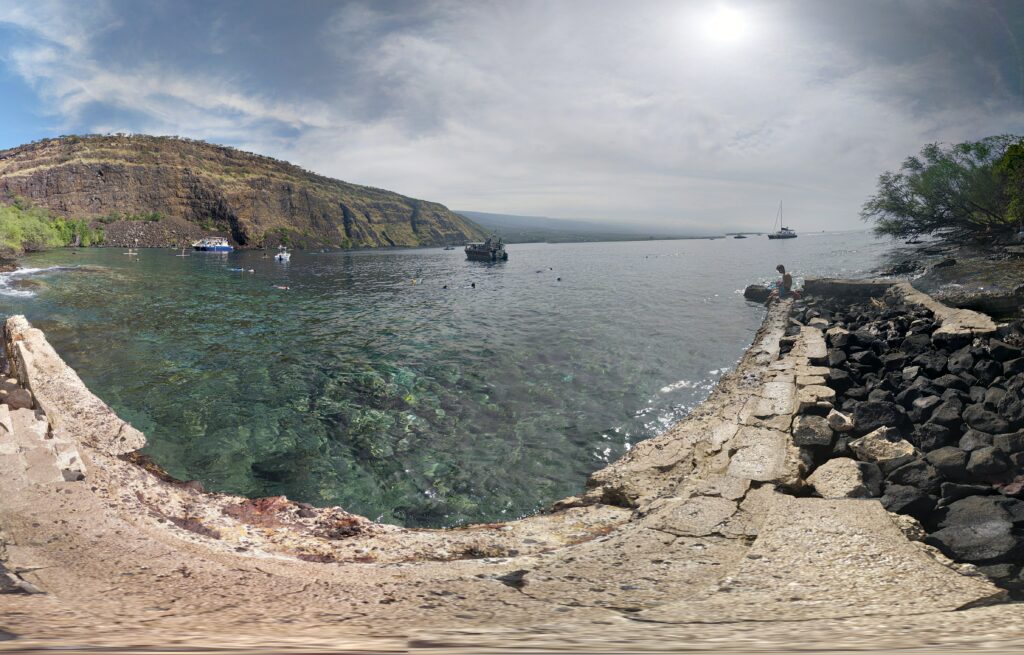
951 189
76 232
1010 169
113 217
25 228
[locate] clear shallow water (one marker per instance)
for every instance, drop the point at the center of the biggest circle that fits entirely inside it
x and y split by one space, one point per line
422 405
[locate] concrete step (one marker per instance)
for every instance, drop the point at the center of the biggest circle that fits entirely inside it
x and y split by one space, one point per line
29 454
816 558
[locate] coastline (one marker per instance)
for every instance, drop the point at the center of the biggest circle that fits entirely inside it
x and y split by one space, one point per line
689 528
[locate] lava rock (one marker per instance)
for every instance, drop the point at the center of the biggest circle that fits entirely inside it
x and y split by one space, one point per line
992 397
811 431
1002 351
921 409
975 529
916 344
757 293
987 371
931 436
903 499
987 463
839 380
973 440
950 462
950 381
1013 367
1009 443
979 418
954 491
960 362
917 473
871 415
948 413
933 363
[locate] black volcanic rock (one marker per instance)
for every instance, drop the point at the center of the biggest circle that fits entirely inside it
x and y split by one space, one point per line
871 415
979 418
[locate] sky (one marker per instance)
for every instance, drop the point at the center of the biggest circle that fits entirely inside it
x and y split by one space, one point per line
692 116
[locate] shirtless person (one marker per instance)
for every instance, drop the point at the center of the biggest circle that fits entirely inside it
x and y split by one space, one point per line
784 287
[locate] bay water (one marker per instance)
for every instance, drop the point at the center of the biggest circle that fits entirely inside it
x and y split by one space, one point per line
411 386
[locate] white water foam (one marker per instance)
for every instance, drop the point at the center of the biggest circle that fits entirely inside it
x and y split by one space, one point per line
7 278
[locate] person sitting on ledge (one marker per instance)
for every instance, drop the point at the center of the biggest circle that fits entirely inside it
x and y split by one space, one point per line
784 287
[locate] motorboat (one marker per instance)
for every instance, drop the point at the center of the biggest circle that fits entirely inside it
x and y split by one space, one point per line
213 244
491 250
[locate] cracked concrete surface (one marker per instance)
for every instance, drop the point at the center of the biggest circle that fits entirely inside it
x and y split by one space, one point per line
688 541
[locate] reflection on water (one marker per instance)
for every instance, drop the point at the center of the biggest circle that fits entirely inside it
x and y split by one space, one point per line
366 383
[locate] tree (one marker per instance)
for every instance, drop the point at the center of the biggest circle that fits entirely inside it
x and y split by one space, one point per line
1010 169
954 189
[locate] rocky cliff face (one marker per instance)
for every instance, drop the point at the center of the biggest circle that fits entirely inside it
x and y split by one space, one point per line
196 188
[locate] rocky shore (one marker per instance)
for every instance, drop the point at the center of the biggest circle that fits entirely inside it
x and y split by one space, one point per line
931 423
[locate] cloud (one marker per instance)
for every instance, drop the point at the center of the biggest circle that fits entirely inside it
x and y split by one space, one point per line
584 109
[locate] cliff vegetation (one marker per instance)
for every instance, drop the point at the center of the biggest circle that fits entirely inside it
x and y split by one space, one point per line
165 191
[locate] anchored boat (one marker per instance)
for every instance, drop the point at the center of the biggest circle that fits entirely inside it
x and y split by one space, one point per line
213 244
487 251
779 230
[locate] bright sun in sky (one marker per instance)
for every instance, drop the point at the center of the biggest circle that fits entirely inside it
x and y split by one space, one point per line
726 25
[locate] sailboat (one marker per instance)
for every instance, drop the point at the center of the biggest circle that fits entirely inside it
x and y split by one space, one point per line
779 231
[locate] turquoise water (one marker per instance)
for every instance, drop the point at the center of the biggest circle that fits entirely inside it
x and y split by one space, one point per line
369 385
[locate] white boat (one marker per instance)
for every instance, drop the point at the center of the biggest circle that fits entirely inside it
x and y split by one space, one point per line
283 255
779 231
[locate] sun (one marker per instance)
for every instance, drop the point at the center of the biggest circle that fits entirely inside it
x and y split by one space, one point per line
726 25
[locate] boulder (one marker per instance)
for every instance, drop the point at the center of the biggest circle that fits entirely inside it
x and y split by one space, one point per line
991 398
811 431
960 362
1013 367
843 477
1002 351
839 422
916 473
974 529
987 463
973 440
1009 443
954 491
19 399
950 462
757 293
932 363
986 371
921 409
871 415
950 381
930 436
903 499
882 446
915 344
836 357
981 419
910 372
948 413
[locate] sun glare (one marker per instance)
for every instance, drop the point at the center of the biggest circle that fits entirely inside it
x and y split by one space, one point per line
726 25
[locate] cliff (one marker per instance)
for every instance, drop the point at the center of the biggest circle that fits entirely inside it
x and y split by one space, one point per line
162 191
